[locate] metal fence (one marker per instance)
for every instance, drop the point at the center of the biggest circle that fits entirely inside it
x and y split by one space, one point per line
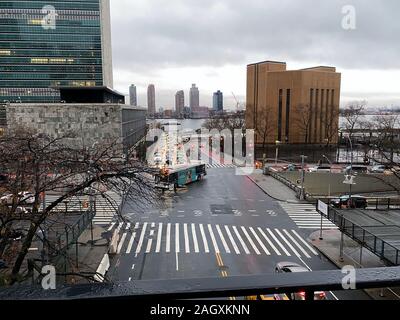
370 237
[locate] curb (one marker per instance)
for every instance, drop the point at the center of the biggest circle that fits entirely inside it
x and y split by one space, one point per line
263 190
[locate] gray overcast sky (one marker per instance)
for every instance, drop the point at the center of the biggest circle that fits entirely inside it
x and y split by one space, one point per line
176 43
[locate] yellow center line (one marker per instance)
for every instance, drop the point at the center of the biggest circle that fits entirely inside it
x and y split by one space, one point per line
224 274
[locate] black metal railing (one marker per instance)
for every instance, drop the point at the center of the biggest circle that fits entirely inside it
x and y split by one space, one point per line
237 286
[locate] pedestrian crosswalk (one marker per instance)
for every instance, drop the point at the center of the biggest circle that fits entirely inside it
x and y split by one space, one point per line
220 165
106 207
306 216
187 238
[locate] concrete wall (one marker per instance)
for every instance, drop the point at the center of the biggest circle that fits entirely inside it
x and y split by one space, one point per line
102 123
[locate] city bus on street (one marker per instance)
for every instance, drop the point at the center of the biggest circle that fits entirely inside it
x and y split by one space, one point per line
180 176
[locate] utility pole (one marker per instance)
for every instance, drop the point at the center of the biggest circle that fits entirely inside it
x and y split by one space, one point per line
302 195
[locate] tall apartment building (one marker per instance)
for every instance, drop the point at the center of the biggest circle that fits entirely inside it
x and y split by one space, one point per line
218 101
179 103
133 95
293 106
194 97
151 100
53 43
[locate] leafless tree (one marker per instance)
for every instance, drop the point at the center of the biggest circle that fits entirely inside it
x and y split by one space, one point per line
304 121
353 115
264 127
331 123
40 164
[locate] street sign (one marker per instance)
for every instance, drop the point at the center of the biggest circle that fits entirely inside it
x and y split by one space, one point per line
323 207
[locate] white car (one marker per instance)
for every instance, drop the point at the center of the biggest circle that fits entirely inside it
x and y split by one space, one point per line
322 168
24 197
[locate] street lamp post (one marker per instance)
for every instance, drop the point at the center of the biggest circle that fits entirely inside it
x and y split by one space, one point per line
302 195
351 166
277 142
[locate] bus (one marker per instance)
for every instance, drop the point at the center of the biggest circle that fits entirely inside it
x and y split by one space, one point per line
179 177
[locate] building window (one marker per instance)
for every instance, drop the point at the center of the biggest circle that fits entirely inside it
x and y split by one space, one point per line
316 113
280 115
310 125
287 131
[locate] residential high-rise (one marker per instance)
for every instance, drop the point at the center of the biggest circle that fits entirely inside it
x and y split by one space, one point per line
151 100
179 103
194 97
45 45
293 106
218 101
133 95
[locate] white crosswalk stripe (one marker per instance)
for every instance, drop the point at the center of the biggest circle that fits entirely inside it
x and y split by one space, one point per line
219 165
156 238
305 216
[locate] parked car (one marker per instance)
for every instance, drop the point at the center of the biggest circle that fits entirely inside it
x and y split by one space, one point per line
321 168
292 167
355 201
288 267
24 197
378 169
356 169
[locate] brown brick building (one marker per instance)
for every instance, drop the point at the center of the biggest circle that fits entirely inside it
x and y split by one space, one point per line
292 106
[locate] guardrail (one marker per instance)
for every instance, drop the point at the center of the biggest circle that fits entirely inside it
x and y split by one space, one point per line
237 286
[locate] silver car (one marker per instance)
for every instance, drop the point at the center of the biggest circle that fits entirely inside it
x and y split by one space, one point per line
286 267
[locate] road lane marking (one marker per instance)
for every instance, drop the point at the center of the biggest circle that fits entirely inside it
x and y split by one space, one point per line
121 243
235 247
149 243
241 240
168 240
297 244
288 243
214 242
153 224
305 243
151 233
177 261
139 247
186 236
203 235
226 247
133 267
130 244
260 242
137 225
278 242
128 226
158 244
130 279
269 241
177 248
111 226
251 241
194 235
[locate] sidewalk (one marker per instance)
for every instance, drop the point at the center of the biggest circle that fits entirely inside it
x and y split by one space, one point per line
273 187
329 247
89 255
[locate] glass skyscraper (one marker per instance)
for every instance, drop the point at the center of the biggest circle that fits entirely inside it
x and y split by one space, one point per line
49 44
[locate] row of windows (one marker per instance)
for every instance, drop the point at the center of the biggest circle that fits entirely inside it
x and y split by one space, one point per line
88 5
20 92
53 53
40 17
50 46
39 60
51 76
53 68
50 37
60 23
44 84
39 12
59 30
